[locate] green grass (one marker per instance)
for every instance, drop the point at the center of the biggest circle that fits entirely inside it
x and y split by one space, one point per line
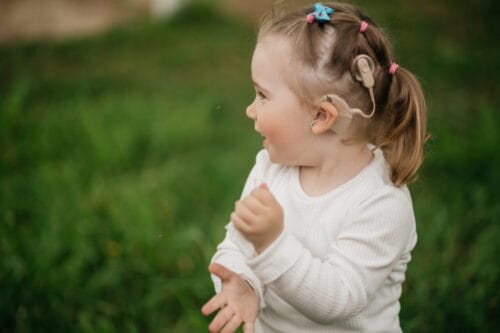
121 156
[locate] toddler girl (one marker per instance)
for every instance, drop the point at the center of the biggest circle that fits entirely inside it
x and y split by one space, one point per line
322 235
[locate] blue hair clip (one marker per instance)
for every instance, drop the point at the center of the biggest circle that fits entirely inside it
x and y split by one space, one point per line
321 14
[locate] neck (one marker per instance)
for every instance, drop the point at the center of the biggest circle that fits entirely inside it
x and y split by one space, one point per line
334 167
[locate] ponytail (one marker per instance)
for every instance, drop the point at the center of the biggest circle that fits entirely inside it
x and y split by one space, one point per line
404 132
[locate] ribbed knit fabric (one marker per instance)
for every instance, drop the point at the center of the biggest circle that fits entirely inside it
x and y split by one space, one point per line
340 262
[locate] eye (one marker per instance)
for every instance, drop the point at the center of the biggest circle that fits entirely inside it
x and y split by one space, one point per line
261 95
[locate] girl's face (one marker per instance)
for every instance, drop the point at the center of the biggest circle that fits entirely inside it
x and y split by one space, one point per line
276 111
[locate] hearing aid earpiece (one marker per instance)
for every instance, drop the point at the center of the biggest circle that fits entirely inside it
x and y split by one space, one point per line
364 67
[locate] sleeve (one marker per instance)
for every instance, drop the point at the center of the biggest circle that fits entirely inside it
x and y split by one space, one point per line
235 249
339 285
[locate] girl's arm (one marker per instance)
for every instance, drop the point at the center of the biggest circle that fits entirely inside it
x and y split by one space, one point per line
235 249
363 255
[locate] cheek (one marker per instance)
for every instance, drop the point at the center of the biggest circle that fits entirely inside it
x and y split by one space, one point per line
278 133
268 126
284 124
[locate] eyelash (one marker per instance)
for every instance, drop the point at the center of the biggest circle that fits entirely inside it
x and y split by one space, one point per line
261 95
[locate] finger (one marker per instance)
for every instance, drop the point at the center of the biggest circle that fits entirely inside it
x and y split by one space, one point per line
239 224
242 209
220 320
221 271
216 302
264 195
232 324
243 217
254 204
249 327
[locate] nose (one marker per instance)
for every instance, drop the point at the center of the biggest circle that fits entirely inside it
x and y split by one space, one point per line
251 112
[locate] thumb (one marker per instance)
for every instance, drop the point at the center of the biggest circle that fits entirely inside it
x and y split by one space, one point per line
221 271
265 194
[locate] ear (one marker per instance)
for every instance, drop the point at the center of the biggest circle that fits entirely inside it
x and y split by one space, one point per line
325 117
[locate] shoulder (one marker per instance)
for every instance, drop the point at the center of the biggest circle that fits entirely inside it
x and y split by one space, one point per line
264 171
262 158
379 195
376 202
376 188
268 171
388 200
389 211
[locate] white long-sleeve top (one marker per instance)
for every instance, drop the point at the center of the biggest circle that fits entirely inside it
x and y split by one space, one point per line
340 262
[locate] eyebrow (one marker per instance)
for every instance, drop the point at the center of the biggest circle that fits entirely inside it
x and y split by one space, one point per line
259 86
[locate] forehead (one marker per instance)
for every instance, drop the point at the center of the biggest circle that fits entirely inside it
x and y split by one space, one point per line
271 58
276 67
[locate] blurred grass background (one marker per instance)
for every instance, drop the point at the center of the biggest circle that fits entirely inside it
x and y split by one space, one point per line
121 156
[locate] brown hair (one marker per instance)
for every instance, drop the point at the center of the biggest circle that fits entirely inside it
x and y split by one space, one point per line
324 54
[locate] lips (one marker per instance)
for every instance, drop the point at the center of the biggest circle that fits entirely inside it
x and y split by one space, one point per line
264 141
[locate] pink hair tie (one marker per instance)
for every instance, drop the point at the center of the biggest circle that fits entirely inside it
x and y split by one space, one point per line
310 18
363 26
393 68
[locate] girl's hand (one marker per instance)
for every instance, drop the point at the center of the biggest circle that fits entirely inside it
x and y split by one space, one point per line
259 217
237 301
